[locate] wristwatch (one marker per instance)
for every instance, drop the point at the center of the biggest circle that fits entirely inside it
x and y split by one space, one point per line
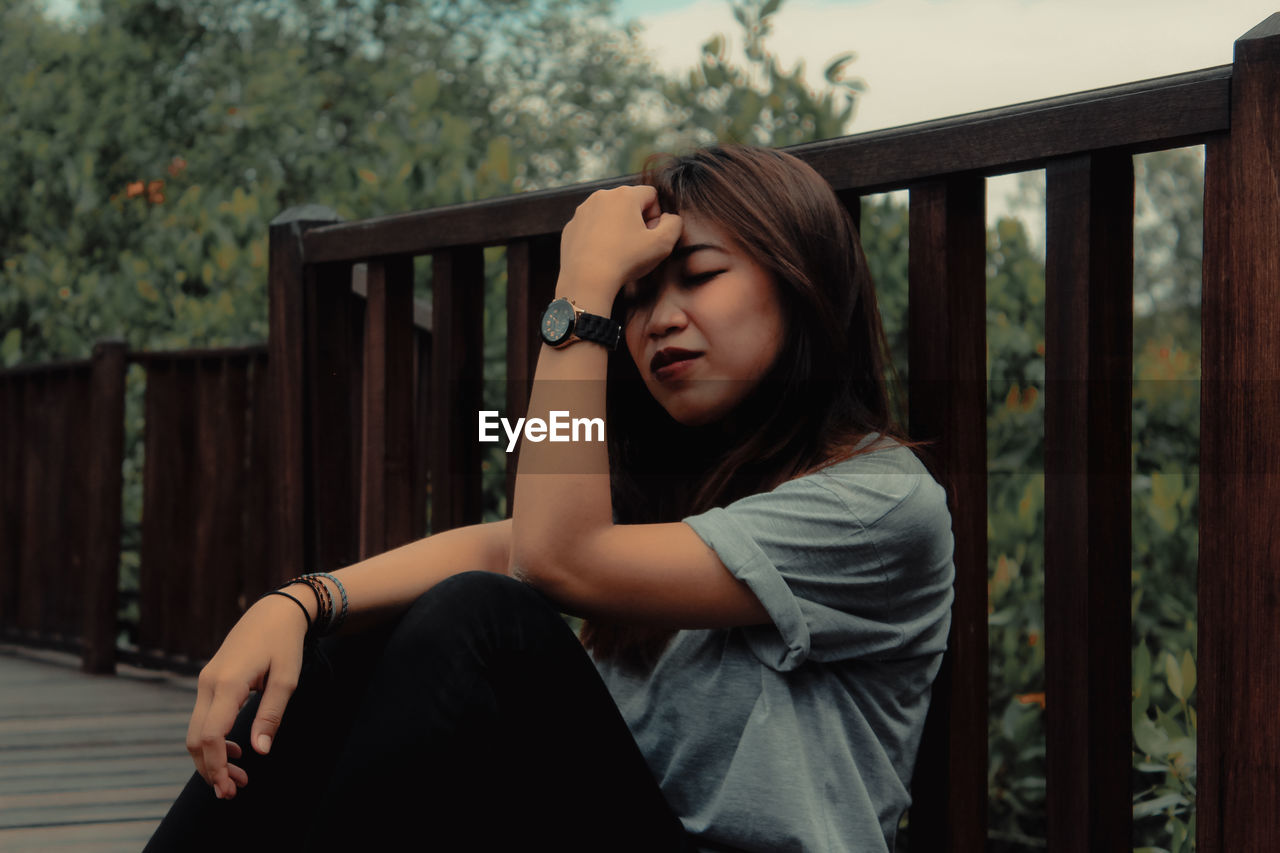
564 322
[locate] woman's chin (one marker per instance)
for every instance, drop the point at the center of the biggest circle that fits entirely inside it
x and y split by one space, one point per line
690 414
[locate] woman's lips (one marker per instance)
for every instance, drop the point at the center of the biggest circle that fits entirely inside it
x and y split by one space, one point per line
672 362
674 370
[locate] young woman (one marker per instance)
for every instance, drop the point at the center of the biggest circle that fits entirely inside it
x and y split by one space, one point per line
763 563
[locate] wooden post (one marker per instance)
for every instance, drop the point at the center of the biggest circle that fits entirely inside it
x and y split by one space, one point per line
1087 544
333 374
1238 770
386 497
532 268
947 404
422 344
288 517
103 484
457 371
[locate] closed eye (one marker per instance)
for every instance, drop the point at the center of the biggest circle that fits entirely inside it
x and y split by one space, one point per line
702 277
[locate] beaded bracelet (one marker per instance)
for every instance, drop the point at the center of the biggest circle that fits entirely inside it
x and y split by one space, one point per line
326 605
342 591
305 613
322 615
326 621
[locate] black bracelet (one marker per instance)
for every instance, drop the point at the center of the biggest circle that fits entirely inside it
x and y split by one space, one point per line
324 601
318 585
305 613
336 621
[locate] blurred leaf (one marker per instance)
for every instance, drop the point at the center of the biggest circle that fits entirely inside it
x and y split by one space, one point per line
1188 674
11 347
1158 805
1173 675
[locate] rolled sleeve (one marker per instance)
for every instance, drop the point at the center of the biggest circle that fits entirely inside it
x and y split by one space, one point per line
748 562
853 562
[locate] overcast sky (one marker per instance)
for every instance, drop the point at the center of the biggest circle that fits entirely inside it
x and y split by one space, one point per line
925 59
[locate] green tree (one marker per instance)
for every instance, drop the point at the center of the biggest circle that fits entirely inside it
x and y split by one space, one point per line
756 100
150 143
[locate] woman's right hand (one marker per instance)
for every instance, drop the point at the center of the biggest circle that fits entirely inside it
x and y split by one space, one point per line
262 652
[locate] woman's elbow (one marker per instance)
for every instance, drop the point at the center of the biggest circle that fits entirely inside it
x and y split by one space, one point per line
547 572
531 563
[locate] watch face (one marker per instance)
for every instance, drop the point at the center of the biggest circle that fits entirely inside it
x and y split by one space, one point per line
557 321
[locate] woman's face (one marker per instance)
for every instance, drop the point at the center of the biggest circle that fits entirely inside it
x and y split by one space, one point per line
705 326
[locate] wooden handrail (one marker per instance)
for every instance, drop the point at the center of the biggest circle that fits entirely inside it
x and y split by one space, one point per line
1163 112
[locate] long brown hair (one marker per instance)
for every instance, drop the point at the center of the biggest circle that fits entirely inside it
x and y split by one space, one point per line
825 392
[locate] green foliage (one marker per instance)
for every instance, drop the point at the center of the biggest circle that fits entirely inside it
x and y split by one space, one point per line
1165 490
148 146
758 102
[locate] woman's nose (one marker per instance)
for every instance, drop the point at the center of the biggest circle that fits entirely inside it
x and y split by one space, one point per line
668 314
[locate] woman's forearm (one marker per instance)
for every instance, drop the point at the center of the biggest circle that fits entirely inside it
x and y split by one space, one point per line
383 585
562 490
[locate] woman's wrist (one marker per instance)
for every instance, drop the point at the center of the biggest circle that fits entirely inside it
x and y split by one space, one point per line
300 608
303 592
592 293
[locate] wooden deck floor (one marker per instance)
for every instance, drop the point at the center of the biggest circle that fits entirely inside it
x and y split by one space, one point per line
87 763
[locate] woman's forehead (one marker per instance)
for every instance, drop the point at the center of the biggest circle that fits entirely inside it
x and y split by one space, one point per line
698 234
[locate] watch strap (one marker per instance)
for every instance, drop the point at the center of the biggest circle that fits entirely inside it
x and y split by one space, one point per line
597 329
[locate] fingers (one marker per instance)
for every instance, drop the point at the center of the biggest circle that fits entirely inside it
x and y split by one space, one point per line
616 235
667 229
223 706
649 197
271 711
194 747
238 777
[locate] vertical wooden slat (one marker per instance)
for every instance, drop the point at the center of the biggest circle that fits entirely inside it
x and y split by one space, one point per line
78 412
331 492
58 506
169 508
182 632
1088 399
532 268
386 497
255 474
213 538
852 202
10 495
154 522
421 429
355 310
457 372
200 532
1215 643
286 367
103 484
1239 571
64 559
231 490
33 512
947 369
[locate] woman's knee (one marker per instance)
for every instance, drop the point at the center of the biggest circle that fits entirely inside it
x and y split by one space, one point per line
479 604
479 592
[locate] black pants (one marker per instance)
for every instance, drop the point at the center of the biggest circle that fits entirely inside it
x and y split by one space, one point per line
477 722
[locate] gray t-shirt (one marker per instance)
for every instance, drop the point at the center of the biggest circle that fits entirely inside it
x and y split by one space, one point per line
801 735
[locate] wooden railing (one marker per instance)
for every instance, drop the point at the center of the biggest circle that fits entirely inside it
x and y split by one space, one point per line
203 545
61 440
1086 143
355 399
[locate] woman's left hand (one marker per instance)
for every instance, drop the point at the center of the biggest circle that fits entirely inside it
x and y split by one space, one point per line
615 236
